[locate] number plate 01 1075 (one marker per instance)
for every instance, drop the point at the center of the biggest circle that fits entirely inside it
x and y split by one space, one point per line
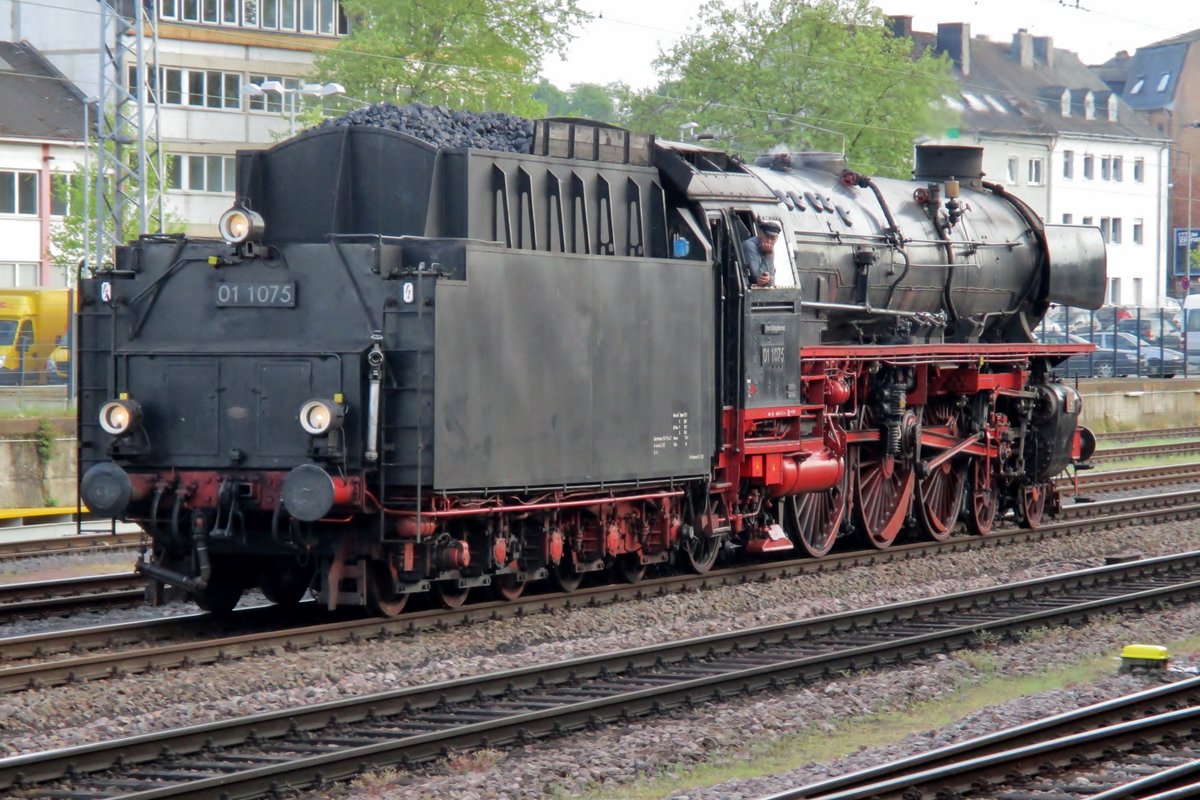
253 295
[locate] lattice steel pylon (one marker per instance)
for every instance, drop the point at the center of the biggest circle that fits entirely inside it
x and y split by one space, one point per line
129 158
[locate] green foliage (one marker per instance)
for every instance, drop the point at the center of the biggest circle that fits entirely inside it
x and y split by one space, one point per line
45 441
67 236
761 80
482 55
588 100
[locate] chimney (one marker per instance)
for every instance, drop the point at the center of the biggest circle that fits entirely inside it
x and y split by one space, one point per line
1022 48
1043 50
954 38
901 26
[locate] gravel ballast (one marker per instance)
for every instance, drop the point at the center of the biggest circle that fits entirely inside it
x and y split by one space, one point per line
604 759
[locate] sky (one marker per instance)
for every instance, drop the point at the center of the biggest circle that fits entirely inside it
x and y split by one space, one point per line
625 37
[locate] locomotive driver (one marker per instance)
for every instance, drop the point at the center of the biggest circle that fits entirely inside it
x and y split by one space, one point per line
759 253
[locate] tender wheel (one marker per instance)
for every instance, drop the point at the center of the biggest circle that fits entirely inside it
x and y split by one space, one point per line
629 568
220 596
225 586
699 552
508 585
285 584
564 577
382 598
1031 509
816 518
984 499
449 594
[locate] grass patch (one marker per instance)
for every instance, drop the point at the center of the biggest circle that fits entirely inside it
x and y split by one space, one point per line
816 746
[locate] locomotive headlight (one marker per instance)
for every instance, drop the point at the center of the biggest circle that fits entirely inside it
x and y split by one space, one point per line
239 225
119 417
318 417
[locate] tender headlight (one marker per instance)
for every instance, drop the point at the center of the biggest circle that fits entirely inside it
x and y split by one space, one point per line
239 225
119 417
318 417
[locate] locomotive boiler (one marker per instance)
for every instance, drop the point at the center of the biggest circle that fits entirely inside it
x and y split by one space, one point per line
417 370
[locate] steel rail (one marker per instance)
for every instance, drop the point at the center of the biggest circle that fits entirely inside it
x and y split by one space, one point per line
68 545
301 746
1139 451
64 594
15 676
904 772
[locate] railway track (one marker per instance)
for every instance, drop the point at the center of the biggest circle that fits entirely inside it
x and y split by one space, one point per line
40 598
312 745
1130 747
1110 454
1192 432
83 654
82 543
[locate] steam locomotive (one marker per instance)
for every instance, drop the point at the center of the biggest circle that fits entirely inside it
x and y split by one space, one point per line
417 370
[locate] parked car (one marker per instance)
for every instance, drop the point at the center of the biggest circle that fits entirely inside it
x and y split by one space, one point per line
1098 364
1158 361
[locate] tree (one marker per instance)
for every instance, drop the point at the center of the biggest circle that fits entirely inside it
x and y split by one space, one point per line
67 236
588 100
760 80
482 55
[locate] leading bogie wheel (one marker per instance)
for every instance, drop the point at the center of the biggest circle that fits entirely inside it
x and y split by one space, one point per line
1031 508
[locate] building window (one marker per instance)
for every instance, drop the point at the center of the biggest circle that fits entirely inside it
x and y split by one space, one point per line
18 275
205 88
229 12
1068 219
1115 233
18 193
308 16
1013 167
169 9
1035 172
195 173
1139 170
1163 81
1137 231
1105 168
1068 164
250 13
1089 106
1087 221
271 101
1114 291
191 10
1105 229
1137 85
1117 168
1089 167
1137 291
62 186
287 15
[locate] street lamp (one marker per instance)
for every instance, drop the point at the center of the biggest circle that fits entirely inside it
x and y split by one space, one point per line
289 94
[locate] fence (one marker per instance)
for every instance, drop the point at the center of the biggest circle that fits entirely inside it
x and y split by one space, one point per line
1130 342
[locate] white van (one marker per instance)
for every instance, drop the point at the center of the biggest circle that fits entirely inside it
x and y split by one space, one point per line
1191 324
